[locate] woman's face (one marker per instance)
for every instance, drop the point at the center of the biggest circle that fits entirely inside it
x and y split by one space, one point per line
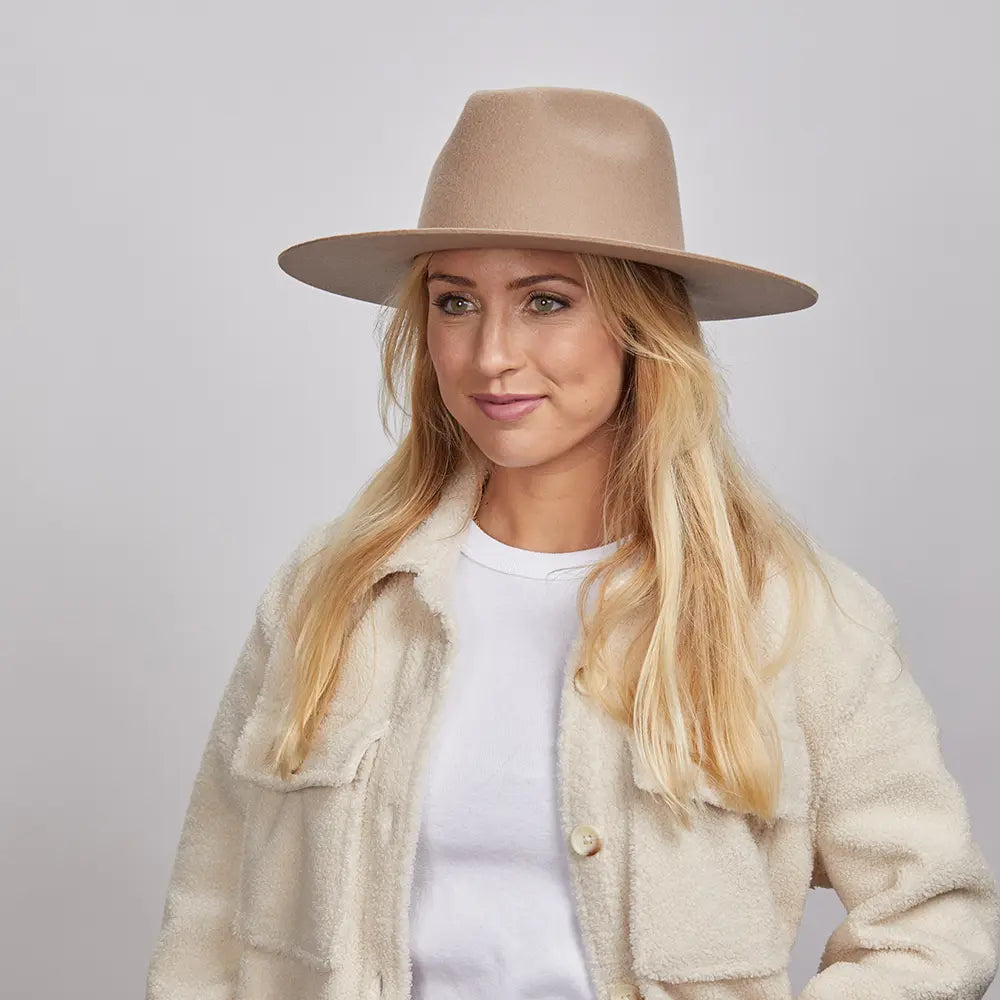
501 322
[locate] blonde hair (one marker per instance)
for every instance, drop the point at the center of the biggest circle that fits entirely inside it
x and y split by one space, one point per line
701 534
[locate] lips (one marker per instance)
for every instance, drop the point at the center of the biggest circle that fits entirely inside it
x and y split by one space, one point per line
514 407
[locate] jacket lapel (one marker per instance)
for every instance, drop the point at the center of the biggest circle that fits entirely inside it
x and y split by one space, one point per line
431 550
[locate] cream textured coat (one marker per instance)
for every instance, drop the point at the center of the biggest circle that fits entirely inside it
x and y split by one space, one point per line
299 889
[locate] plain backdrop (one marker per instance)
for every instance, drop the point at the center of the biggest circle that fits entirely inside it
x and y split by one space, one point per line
176 410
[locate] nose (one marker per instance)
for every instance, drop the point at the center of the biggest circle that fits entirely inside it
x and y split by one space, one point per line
498 344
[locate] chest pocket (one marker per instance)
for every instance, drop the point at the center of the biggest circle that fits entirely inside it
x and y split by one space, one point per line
702 904
302 861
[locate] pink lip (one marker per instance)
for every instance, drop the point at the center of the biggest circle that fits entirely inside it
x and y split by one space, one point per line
517 407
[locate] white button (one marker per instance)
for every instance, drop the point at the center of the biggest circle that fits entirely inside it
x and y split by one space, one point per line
585 840
624 991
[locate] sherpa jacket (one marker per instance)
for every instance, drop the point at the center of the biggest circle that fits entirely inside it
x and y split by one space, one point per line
299 889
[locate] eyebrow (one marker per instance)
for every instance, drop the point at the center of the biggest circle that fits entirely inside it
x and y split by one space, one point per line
531 279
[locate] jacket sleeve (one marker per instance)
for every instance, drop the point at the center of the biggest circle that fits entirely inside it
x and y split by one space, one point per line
196 956
893 839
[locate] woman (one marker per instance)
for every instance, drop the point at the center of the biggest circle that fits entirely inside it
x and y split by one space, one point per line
565 705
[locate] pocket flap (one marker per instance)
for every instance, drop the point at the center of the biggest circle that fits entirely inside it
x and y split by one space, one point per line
334 759
794 793
793 796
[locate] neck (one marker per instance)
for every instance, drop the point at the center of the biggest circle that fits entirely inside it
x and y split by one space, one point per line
551 507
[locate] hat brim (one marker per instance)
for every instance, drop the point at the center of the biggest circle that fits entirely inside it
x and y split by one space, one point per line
368 265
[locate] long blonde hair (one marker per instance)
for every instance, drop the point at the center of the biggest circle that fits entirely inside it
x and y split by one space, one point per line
700 532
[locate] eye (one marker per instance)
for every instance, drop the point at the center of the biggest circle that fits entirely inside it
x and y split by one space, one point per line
442 300
545 297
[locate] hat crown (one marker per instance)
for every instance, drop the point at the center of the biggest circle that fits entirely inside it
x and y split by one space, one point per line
585 163
563 169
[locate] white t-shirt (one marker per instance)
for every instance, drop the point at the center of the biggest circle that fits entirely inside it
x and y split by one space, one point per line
491 912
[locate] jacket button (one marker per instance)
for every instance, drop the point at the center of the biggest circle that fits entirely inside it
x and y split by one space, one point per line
624 991
585 840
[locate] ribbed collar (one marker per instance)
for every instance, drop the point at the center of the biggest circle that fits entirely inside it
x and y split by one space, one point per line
488 551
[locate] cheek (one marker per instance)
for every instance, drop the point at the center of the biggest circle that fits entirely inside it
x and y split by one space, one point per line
588 372
445 357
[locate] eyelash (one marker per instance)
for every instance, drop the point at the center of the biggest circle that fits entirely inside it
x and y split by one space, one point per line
442 299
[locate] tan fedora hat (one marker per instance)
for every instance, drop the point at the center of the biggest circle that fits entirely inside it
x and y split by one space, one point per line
556 168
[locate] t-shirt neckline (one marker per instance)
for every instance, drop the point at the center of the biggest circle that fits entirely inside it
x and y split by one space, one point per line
494 554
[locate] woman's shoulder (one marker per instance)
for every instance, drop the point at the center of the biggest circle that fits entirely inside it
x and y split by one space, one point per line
847 628
287 579
866 606
839 602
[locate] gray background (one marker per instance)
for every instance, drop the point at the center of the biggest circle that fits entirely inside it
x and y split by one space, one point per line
176 410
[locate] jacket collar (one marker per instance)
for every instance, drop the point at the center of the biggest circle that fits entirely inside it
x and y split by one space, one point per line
431 549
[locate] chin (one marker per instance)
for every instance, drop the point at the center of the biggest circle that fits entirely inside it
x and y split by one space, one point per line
511 457
518 463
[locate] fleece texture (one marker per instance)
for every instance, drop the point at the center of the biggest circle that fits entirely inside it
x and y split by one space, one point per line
300 889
